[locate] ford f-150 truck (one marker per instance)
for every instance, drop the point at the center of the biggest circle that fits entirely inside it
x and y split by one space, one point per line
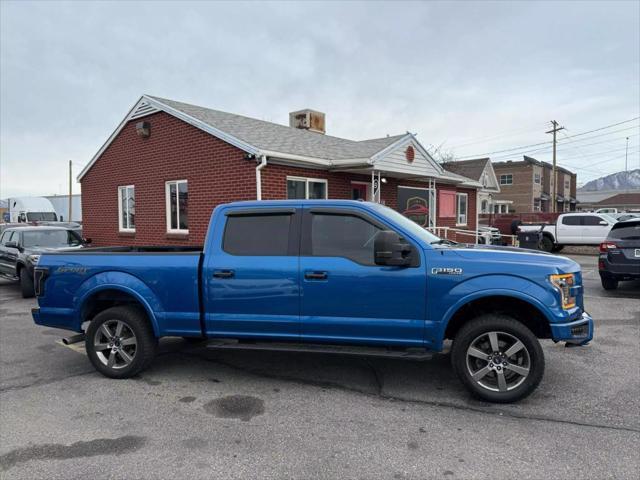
323 276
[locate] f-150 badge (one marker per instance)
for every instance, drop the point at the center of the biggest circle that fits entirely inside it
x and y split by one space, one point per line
446 271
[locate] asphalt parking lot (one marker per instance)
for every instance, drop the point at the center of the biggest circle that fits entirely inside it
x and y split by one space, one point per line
203 414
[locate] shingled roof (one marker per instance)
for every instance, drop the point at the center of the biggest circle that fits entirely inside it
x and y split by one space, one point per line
281 138
467 168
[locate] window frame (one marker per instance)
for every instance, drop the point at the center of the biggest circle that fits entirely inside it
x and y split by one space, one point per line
459 195
306 181
510 175
167 206
307 225
293 239
537 178
122 228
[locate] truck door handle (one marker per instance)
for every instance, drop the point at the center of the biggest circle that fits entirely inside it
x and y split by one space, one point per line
315 275
223 273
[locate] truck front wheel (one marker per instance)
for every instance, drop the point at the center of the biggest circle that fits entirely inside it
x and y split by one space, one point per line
546 244
497 359
26 284
120 342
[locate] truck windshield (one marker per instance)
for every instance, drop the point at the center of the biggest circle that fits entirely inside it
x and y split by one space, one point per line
50 238
41 216
409 225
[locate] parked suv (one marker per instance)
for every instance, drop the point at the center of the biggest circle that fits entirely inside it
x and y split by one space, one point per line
21 247
620 254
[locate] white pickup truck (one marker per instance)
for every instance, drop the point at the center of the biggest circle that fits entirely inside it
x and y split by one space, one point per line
581 228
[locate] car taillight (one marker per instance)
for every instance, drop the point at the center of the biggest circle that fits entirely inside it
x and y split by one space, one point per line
606 246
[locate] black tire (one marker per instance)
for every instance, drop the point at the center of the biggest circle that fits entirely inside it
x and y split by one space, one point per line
135 322
507 328
609 283
546 244
26 284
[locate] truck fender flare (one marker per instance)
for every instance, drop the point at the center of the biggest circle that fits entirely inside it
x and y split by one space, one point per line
535 296
125 283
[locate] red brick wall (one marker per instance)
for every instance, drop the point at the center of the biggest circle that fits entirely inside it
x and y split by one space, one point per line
216 171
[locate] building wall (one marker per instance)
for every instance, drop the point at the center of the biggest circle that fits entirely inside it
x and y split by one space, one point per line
216 173
521 191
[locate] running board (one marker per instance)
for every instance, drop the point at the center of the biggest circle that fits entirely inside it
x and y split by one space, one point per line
405 354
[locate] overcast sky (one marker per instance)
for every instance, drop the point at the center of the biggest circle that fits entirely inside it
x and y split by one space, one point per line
478 76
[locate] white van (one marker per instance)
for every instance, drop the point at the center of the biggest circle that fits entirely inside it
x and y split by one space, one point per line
31 209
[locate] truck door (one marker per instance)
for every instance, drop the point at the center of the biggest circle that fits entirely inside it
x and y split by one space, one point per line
595 229
250 274
345 297
9 255
569 229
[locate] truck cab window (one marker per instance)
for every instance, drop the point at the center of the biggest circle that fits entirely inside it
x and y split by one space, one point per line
571 220
343 236
253 235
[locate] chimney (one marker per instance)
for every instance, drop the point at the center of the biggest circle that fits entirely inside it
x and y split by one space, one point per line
307 120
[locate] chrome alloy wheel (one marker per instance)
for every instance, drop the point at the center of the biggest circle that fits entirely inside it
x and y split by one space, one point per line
115 344
498 361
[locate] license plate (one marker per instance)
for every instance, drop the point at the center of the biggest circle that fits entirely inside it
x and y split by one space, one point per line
637 252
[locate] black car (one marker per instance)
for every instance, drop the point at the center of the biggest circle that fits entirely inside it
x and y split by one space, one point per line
21 247
620 254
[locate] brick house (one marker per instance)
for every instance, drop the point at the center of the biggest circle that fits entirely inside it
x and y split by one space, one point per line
481 170
529 185
159 175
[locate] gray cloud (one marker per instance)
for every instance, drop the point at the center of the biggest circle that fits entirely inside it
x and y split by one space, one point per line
453 72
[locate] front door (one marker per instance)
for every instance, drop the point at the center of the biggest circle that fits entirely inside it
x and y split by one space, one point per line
359 191
345 297
251 278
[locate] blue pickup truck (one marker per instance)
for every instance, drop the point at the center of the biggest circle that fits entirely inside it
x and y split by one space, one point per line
323 276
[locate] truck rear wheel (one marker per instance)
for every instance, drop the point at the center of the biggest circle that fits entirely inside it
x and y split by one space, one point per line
609 283
120 342
497 359
26 284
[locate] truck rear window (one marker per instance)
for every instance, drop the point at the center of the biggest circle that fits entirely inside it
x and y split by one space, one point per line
256 235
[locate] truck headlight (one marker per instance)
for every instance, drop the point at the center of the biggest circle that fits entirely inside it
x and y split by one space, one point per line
564 283
33 259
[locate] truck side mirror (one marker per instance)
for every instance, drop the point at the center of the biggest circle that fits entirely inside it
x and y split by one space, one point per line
392 250
11 245
602 222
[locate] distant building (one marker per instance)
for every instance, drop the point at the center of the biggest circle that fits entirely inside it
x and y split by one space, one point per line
528 184
627 201
481 170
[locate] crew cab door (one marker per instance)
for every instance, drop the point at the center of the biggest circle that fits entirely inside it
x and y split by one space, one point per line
8 255
569 229
595 229
345 296
250 274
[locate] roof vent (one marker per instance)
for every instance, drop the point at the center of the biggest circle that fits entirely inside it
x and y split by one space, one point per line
307 120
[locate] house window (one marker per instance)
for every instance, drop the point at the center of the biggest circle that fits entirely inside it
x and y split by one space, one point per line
536 205
485 206
127 208
177 196
506 179
536 178
461 217
299 188
566 184
447 204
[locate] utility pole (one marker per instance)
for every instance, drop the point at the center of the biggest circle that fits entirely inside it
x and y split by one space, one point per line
70 194
626 158
554 197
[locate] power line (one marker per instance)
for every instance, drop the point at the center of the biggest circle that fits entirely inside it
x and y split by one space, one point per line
522 147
